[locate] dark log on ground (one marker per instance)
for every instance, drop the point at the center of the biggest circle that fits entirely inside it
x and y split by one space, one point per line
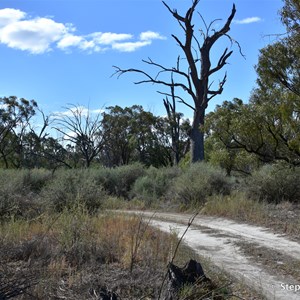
191 273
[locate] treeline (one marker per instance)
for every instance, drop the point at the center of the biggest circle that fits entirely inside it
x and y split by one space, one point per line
239 137
118 136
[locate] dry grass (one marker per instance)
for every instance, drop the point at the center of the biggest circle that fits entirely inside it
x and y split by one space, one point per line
74 249
72 255
282 217
237 206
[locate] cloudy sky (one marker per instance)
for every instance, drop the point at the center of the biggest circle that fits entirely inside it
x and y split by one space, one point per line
63 51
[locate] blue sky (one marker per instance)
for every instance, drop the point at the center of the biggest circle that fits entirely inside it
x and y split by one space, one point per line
62 51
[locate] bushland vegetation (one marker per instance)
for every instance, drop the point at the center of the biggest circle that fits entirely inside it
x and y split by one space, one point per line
59 237
55 237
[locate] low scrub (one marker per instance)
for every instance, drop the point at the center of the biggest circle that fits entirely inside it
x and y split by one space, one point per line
198 182
19 190
71 188
119 181
274 183
154 185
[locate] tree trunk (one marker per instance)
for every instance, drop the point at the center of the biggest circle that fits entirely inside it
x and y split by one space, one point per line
197 136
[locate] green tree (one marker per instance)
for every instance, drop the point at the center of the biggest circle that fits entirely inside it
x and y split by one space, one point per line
223 126
290 16
15 115
279 63
132 134
194 77
268 126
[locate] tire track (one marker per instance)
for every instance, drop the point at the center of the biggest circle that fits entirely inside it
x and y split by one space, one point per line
216 239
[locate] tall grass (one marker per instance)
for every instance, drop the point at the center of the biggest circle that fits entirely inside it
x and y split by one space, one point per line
78 249
236 206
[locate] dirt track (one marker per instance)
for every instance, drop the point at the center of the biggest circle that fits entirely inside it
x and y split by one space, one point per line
221 240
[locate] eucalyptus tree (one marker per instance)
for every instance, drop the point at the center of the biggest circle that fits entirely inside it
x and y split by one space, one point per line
268 126
15 116
133 134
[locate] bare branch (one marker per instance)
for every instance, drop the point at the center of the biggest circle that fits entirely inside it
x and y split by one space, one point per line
177 97
233 41
221 62
219 91
150 79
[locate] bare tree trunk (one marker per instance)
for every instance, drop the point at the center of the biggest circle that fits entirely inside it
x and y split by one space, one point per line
197 136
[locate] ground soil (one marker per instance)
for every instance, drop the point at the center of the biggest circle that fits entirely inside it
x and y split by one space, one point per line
258 257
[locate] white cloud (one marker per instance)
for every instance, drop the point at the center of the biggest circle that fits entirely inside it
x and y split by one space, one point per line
108 38
69 40
82 110
150 35
248 20
130 46
39 35
9 15
35 35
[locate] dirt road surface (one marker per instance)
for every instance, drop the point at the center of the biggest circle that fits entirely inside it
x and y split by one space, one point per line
226 244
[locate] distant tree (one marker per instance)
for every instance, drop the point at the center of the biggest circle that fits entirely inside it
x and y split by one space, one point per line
195 79
174 119
133 134
222 128
15 115
82 129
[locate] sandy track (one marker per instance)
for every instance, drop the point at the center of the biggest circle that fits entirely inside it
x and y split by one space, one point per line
216 238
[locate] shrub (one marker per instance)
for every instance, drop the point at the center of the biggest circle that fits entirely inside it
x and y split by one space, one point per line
274 183
35 179
73 187
154 185
198 182
18 192
119 181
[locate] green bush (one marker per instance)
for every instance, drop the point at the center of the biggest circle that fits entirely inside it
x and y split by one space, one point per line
19 190
154 184
119 181
69 188
10 192
35 179
198 182
274 183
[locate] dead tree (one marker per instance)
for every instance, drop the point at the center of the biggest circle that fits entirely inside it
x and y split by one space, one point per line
83 130
174 122
194 80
